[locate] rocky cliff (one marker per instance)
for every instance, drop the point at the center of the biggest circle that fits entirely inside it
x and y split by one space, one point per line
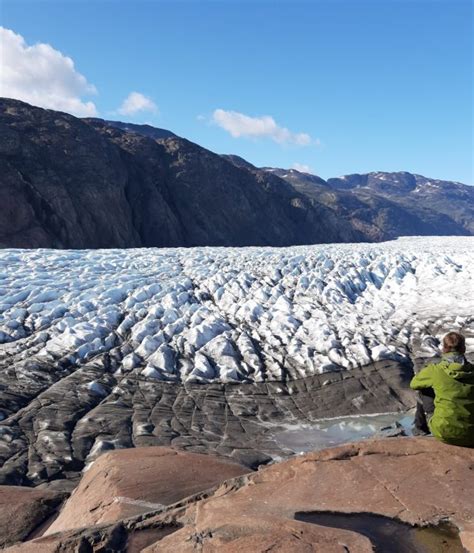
88 183
72 183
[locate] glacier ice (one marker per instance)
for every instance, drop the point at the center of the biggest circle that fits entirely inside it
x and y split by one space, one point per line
237 314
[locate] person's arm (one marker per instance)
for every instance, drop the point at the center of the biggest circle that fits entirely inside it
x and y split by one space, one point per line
424 379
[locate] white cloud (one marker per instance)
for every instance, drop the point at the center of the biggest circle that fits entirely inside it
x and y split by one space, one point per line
302 168
42 76
136 102
239 124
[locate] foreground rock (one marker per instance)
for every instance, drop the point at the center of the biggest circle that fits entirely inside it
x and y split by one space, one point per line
129 482
24 510
416 481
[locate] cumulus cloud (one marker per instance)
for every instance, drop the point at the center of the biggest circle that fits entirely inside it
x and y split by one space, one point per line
239 124
40 75
302 168
136 102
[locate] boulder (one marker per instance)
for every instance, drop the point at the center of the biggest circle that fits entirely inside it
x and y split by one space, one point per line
127 482
24 510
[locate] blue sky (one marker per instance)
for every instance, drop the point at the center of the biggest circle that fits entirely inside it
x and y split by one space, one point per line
346 86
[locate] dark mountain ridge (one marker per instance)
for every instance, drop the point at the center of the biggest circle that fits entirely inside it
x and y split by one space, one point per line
72 183
145 130
90 183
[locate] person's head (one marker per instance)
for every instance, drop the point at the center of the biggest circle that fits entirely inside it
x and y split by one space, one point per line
454 342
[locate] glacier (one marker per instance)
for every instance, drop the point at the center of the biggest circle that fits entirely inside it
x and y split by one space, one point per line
250 314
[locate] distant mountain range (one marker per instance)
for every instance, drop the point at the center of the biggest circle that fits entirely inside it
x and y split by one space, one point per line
67 182
385 205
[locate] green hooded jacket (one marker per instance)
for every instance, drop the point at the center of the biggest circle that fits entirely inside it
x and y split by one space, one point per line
452 380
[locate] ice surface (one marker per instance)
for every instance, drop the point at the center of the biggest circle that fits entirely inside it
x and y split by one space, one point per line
237 314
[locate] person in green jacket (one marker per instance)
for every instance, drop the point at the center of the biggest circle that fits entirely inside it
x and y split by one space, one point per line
452 381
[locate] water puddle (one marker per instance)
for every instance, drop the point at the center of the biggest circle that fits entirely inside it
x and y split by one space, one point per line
302 438
391 536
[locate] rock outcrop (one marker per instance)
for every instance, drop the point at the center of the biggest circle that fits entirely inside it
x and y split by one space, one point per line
416 481
129 482
23 511
398 494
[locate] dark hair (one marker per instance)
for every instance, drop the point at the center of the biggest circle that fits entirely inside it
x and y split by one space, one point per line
454 342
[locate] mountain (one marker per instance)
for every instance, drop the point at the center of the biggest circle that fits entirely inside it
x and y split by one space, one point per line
145 130
297 178
86 183
449 204
90 183
384 205
239 162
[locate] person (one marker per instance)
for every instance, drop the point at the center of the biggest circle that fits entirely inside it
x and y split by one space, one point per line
423 412
451 381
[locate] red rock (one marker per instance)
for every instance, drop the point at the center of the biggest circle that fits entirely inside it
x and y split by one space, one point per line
414 480
128 482
418 481
22 510
467 538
